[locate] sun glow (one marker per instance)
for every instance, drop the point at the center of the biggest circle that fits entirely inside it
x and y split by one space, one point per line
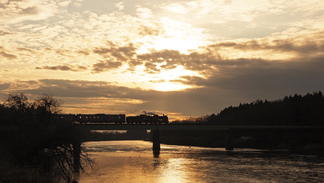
173 74
170 80
168 43
174 35
170 86
164 79
174 44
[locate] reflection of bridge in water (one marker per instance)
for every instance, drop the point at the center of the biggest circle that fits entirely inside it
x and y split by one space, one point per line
228 129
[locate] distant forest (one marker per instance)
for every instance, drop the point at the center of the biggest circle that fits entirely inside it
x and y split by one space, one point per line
296 109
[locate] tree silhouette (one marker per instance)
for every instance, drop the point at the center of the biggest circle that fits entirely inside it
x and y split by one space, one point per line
40 141
297 109
49 103
17 100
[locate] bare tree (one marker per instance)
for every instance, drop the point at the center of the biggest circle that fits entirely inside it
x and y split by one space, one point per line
49 103
17 100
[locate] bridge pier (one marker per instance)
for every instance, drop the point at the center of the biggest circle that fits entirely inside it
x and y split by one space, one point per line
229 141
156 143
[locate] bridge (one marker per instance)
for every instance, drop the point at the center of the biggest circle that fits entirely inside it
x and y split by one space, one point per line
155 128
229 128
179 127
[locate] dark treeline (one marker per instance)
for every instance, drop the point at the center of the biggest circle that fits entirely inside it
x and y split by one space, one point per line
36 146
296 109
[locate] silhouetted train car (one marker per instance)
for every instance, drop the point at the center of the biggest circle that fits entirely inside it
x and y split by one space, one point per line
147 119
101 118
94 118
69 117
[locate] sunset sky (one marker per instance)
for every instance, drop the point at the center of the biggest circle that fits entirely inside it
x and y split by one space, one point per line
180 58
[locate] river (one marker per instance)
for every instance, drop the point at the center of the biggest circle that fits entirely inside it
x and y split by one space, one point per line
133 162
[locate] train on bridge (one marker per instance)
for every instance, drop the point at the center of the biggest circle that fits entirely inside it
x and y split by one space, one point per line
147 118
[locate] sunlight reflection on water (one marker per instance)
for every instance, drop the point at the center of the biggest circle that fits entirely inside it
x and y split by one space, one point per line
133 161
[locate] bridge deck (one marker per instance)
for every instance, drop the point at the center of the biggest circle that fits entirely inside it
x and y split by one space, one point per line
192 127
177 127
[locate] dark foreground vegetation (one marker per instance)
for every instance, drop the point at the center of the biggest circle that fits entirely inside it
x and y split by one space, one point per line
36 146
292 110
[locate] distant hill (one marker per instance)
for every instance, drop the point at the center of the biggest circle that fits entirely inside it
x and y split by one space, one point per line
297 109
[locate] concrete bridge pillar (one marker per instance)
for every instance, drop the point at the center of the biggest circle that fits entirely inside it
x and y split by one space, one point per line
156 142
229 141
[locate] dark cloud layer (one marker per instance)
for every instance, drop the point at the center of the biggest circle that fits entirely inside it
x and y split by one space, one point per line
303 47
300 47
30 10
64 68
3 33
4 86
7 55
113 51
191 102
4 53
114 56
105 65
264 77
302 44
151 30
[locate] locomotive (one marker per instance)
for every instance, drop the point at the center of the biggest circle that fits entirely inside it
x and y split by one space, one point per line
150 118
147 118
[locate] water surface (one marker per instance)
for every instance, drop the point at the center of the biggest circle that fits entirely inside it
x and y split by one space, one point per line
133 161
